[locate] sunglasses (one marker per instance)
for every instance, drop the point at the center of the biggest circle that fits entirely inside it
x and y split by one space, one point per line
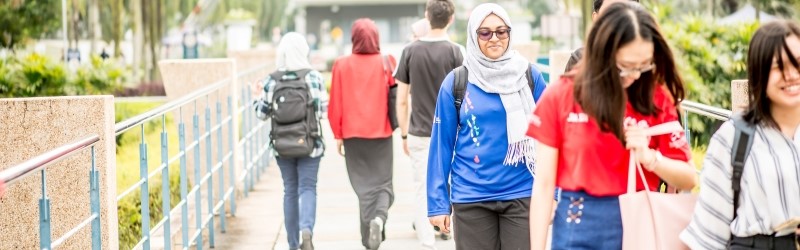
486 34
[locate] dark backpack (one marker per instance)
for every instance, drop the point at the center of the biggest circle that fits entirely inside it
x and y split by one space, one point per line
460 86
295 127
740 149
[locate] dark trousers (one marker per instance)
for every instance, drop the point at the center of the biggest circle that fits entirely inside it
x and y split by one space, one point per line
763 242
492 225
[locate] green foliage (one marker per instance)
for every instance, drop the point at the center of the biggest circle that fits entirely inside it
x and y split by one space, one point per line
709 57
129 210
36 75
22 20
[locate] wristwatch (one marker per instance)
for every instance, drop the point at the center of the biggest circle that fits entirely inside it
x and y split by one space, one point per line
404 137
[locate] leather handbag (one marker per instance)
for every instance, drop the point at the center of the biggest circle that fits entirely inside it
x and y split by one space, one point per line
652 220
392 94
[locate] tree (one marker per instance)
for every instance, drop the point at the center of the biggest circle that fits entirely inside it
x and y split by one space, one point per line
23 20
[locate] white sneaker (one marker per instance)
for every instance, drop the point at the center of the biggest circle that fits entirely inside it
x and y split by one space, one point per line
375 233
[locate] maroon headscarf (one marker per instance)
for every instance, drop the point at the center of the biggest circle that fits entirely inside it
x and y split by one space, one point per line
365 37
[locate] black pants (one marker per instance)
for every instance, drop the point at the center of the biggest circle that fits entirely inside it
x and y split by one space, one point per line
764 242
492 225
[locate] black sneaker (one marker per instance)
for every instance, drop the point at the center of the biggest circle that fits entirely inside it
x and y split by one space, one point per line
306 236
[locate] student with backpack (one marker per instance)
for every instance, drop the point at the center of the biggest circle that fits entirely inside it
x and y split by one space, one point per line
359 118
423 65
480 162
750 185
292 101
588 125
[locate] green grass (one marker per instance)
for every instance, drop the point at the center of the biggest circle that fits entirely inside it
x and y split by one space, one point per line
128 166
128 169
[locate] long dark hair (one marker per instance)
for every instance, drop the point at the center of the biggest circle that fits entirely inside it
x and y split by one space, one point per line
598 86
767 44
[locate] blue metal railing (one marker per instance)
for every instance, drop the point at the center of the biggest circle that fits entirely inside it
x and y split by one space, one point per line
40 164
254 163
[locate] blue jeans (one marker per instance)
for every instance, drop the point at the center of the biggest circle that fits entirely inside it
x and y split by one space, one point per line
299 195
583 221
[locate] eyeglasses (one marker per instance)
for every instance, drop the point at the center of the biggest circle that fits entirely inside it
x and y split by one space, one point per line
486 34
625 72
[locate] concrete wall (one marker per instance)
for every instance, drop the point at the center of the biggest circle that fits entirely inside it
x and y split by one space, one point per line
32 126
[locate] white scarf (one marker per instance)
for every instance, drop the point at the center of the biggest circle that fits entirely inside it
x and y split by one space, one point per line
504 76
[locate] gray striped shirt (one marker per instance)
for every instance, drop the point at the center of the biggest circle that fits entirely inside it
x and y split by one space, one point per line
770 189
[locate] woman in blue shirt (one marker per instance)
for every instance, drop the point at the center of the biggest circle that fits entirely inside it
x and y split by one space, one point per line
481 162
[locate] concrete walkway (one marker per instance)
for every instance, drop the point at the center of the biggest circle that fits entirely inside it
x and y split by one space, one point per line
259 218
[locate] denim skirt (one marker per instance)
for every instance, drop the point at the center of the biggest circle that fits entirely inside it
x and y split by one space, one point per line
583 221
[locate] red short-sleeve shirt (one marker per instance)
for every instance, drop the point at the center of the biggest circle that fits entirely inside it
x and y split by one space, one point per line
593 161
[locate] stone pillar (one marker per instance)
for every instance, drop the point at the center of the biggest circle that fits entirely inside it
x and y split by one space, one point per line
248 59
530 50
183 77
739 95
558 62
32 126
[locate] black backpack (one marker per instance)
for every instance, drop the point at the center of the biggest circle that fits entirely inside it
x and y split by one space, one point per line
460 86
740 149
295 127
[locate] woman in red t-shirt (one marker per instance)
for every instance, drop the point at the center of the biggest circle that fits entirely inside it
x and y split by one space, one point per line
586 125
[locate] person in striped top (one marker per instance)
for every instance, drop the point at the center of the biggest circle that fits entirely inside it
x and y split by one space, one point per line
770 184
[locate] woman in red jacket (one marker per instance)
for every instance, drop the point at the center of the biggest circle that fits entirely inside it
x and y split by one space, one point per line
358 114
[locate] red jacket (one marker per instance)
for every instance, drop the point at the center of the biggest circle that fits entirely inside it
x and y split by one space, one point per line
358 106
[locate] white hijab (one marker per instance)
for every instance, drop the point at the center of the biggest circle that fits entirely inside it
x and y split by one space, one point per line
292 54
504 76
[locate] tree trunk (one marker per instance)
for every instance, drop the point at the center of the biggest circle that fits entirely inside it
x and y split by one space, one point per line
116 12
586 16
94 25
138 40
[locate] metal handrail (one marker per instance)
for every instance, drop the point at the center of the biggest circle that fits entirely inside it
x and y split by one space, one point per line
706 110
126 125
42 161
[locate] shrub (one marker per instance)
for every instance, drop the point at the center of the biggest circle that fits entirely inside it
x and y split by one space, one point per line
34 75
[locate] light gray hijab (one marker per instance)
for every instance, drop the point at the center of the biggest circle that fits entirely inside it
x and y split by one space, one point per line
292 54
504 76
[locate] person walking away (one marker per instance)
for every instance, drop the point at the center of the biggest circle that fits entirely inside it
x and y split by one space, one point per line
285 104
758 205
359 118
424 65
589 123
480 161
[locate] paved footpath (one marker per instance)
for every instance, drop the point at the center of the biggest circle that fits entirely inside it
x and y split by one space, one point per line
259 218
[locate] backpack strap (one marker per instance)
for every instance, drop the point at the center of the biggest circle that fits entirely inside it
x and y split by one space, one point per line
740 149
460 86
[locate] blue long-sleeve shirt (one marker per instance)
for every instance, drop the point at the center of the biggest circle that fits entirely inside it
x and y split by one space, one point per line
476 171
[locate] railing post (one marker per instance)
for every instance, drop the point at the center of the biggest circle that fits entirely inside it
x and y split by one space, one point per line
232 163
184 182
251 145
44 216
245 148
198 206
94 197
165 193
686 126
145 192
210 166
221 158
